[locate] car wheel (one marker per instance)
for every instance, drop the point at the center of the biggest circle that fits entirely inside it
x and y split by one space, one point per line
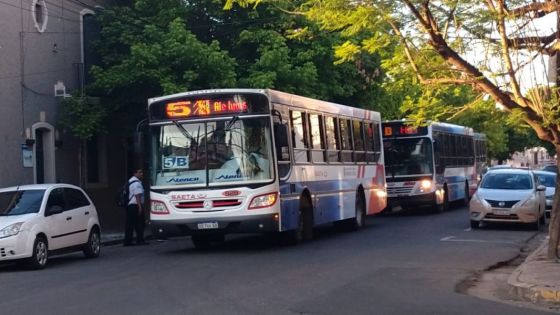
537 224
543 219
93 246
40 256
475 224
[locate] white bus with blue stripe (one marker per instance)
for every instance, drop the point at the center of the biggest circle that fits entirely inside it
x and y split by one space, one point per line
430 166
259 161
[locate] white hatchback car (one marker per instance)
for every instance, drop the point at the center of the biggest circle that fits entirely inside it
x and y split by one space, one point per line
508 195
43 219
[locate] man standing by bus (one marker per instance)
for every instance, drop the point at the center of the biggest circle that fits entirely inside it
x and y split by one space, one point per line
135 210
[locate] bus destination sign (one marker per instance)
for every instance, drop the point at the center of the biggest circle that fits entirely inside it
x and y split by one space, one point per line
204 107
400 130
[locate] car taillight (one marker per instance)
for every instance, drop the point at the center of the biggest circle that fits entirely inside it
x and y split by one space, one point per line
158 207
263 201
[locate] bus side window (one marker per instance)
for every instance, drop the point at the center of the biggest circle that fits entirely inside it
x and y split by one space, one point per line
317 136
346 138
299 136
358 131
376 142
333 142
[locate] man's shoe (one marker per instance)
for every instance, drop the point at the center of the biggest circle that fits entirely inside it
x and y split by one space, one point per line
128 244
142 243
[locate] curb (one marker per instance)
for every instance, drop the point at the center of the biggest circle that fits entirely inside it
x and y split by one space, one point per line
533 292
109 239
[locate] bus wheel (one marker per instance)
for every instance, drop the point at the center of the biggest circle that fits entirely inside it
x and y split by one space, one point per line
304 229
444 206
467 197
359 221
202 242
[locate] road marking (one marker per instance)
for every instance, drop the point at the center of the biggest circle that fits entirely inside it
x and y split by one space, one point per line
452 238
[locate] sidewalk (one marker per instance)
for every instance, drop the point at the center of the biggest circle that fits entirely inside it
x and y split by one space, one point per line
111 238
537 280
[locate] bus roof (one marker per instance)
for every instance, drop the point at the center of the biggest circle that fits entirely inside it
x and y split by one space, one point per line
479 136
285 99
441 126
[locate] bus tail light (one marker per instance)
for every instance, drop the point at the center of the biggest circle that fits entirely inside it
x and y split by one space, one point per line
158 207
263 201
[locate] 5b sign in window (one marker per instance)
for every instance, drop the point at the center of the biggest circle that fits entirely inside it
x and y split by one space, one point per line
175 162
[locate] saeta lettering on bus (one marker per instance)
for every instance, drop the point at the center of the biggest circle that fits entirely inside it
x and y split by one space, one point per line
320 173
183 179
350 171
188 197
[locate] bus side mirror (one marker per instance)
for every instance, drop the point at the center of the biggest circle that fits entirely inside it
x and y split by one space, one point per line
281 135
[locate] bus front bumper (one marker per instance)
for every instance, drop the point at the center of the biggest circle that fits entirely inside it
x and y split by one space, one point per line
265 223
423 200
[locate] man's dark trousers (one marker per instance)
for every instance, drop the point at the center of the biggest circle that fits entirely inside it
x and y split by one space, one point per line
134 221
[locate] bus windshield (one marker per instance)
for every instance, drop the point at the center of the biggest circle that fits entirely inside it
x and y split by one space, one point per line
213 153
408 157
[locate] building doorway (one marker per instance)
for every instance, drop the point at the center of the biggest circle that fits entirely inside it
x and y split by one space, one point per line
44 166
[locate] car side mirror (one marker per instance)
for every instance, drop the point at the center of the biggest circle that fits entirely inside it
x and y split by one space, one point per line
54 209
541 188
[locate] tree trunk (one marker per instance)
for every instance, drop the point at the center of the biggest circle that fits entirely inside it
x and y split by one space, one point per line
554 224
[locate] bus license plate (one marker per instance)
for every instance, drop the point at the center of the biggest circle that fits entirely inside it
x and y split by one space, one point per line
501 212
207 225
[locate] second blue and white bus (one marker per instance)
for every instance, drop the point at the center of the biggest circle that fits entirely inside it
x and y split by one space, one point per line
430 166
261 161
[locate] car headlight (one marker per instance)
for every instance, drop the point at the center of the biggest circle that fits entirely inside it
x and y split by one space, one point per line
529 202
11 230
476 200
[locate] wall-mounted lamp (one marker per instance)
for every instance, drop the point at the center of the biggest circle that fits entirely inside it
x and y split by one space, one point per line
29 142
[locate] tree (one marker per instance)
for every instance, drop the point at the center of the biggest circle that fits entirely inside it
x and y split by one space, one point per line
147 51
488 45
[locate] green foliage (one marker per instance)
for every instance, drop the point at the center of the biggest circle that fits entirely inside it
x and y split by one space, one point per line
81 116
148 53
369 27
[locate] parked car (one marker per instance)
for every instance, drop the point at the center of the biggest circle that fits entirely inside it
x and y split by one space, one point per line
550 168
508 195
548 179
43 219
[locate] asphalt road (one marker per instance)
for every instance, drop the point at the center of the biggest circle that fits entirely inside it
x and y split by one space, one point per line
399 264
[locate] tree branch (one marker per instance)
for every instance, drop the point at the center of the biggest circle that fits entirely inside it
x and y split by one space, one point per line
538 8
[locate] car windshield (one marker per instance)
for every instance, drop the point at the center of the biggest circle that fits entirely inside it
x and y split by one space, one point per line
404 157
548 180
20 202
550 168
212 153
510 181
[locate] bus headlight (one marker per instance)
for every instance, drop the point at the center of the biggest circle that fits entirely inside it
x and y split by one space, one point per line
158 207
426 184
263 201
